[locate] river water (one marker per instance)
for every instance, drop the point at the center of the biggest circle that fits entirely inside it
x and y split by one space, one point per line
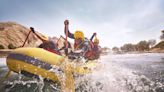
114 73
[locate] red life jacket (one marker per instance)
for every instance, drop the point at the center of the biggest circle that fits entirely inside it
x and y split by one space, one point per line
91 44
75 46
90 53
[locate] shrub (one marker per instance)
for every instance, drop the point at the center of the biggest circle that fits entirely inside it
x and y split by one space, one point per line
2 47
11 46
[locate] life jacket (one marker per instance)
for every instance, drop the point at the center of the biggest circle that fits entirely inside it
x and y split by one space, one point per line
78 45
75 46
93 53
89 53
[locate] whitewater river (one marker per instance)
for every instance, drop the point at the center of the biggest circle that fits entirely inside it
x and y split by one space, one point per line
114 73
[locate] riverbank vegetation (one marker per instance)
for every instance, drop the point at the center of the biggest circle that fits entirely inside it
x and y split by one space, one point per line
142 46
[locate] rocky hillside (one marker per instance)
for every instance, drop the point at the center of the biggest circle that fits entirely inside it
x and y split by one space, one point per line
158 48
15 34
160 45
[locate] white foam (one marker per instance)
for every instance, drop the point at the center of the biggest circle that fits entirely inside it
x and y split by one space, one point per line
115 78
2 61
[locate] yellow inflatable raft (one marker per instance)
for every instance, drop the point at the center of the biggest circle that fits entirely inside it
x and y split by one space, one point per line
39 62
34 61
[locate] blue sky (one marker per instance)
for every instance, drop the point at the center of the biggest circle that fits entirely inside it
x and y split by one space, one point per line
115 21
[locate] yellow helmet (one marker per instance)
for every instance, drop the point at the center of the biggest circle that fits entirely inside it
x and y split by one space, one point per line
96 40
79 34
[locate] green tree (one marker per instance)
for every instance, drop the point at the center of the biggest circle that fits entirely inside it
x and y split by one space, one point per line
115 49
162 36
151 42
128 47
143 46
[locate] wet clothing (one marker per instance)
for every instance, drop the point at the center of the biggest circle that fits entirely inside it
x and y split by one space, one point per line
65 48
95 51
90 50
84 46
50 46
73 55
79 44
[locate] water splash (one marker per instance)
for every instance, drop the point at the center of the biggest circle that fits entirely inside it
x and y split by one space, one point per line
112 77
109 76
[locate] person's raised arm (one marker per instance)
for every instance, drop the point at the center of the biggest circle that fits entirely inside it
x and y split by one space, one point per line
66 30
94 34
32 29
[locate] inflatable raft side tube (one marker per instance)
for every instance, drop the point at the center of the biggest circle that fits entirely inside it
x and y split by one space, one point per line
18 63
30 60
40 54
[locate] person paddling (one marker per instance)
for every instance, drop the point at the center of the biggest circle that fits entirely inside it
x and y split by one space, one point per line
96 49
47 43
82 46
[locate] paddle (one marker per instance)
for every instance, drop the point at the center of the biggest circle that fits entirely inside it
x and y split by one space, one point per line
66 22
32 29
58 40
26 38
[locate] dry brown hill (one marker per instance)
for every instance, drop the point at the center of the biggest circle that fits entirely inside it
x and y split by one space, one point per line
15 34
